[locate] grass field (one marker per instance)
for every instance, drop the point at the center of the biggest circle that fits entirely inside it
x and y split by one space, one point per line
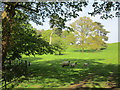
46 70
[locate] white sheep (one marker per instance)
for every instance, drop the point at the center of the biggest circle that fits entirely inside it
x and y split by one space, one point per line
66 63
73 64
86 64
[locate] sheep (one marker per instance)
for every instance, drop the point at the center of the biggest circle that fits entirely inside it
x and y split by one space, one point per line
73 64
86 64
66 63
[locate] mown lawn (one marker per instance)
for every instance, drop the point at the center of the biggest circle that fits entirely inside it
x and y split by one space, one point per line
46 70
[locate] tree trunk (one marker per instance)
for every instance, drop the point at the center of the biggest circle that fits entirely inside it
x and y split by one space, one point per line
82 50
7 24
98 49
5 40
50 42
59 52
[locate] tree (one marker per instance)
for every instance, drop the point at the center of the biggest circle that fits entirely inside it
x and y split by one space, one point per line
45 34
98 37
95 42
83 26
26 42
0 44
90 33
39 11
58 42
35 11
69 37
104 9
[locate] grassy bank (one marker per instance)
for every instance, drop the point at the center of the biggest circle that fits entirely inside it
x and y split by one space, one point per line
46 70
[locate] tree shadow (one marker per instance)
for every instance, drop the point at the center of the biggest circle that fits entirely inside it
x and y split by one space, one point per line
50 72
60 54
11 72
90 50
32 58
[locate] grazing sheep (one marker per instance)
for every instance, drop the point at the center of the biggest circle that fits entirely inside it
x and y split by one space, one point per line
66 63
73 64
86 64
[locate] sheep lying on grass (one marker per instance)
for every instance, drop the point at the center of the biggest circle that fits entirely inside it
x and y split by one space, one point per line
66 63
73 64
86 64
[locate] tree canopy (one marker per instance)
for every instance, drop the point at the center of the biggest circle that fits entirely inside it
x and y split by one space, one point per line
90 34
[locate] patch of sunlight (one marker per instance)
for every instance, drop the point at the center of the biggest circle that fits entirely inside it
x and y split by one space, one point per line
39 60
77 69
50 80
35 86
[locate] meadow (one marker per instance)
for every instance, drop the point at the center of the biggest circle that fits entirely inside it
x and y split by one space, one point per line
46 71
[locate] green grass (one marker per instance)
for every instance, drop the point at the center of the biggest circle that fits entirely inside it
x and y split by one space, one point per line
46 71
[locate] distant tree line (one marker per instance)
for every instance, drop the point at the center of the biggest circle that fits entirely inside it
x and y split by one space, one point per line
86 34
60 40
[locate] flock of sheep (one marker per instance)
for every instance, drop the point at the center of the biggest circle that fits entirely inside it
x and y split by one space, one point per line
68 63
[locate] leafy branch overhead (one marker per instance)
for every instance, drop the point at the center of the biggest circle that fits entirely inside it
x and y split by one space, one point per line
104 9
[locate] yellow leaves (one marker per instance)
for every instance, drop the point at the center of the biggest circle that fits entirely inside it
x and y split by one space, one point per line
95 42
90 33
4 14
73 25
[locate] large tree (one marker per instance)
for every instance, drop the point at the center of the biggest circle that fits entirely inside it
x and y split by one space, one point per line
83 26
69 37
89 33
24 40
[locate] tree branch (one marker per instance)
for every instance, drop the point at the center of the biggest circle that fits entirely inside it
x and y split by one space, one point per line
28 8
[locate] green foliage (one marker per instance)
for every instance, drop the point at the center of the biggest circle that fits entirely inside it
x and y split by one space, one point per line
56 21
104 9
57 41
69 37
45 34
90 34
60 39
39 11
95 43
26 41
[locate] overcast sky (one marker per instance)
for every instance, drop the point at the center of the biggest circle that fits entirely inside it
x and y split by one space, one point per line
109 24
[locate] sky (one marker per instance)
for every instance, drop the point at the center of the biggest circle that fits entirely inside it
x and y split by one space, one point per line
110 25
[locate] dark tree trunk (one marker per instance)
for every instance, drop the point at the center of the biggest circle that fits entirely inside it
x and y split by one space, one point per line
59 52
7 25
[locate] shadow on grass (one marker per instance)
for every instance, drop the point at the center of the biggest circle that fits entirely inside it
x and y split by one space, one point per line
18 68
91 50
60 54
52 74
32 58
